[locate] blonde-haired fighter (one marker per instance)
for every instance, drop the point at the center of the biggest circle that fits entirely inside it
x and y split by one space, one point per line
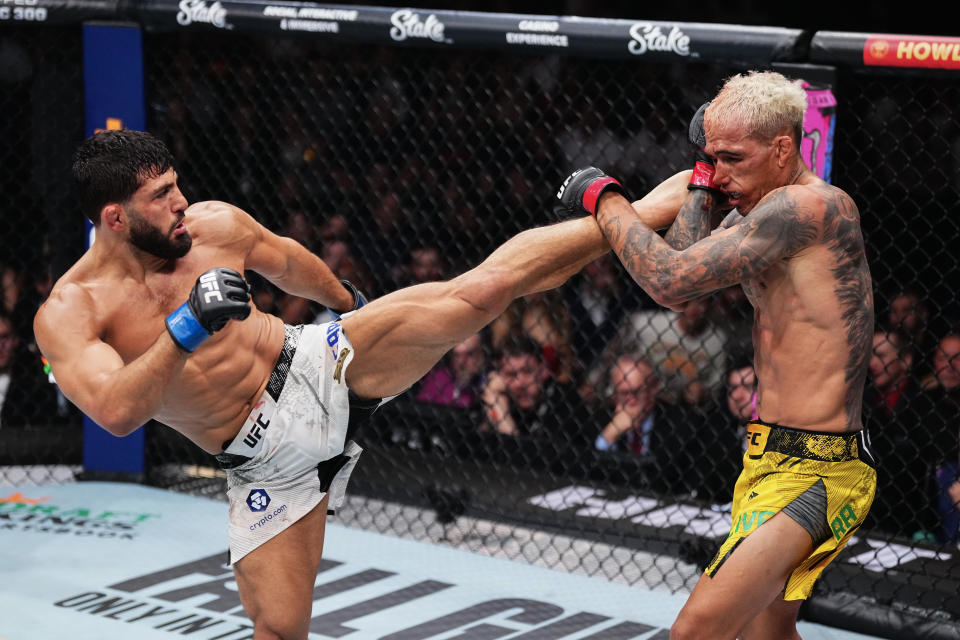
793 242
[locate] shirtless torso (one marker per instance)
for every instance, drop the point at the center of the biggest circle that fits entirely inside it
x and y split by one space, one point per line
799 255
107 311
813 313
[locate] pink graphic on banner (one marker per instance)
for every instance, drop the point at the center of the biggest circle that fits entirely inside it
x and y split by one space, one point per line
819 123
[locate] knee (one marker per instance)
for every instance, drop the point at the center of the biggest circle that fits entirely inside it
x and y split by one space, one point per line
267 627
688 627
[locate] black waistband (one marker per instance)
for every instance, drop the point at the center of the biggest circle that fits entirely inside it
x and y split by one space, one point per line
291 339
278 377
815 445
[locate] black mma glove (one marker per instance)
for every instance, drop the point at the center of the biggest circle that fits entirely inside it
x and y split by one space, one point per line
358 300
703 168
218 296
581 191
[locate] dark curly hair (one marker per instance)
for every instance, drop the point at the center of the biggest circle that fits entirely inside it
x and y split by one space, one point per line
110 166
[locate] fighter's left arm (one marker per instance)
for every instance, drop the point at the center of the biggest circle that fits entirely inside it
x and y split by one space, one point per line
778 227
287 263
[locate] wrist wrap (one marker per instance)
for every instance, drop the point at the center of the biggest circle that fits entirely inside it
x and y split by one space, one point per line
185 329
596 189
702 177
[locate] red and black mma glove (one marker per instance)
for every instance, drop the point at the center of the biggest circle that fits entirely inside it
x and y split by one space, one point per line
219 295
581 191
703 168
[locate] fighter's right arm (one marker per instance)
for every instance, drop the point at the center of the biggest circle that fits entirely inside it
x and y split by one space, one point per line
119 397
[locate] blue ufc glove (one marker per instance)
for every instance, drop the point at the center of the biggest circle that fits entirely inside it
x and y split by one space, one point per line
358 300
219 295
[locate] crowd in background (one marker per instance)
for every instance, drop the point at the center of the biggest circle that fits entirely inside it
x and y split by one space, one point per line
595 367
397 180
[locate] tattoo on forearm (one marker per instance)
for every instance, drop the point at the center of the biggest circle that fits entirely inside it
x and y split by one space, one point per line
692 222
779 231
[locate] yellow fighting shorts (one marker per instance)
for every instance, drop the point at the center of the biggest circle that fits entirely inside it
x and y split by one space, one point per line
824 481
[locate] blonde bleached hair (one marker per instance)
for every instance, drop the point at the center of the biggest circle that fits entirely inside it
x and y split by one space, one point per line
765 103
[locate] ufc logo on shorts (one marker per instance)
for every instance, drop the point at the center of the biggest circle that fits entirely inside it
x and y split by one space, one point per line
208 281
256 432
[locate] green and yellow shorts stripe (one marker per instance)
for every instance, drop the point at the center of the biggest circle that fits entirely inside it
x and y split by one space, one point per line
824 481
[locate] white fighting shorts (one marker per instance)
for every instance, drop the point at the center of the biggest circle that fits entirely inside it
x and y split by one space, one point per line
292 450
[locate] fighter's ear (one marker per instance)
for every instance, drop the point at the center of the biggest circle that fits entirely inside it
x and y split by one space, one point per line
784 149
111 217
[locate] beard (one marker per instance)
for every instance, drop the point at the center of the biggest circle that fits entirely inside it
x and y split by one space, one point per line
153 241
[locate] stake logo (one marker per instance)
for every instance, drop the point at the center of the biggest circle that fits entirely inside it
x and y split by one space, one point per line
408 24
198 11
646 36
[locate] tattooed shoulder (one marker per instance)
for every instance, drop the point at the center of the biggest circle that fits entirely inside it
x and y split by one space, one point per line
784 220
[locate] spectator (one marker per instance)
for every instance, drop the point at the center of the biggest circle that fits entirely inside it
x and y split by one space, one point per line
26 396
343 261
456 381
300 227
686 349
908 314
375 241
948 501
544 317
945 402
946 364
11 283
522 399
733 311
741 393
426 264
595 298
8 346
723 442
635 388
891 381
334 227
893 411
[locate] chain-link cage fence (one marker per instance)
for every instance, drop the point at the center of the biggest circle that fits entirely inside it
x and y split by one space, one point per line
41 98
587 428
623 421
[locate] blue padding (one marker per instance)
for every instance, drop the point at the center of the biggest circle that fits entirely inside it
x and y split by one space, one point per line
185 329
113 96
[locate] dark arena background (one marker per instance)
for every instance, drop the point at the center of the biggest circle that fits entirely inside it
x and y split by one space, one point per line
403 145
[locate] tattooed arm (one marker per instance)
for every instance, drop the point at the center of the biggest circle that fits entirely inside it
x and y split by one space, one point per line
777 228
693 220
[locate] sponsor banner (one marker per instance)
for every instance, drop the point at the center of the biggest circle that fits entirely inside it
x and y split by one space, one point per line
925 52
655 41
37 512
885 50
56 11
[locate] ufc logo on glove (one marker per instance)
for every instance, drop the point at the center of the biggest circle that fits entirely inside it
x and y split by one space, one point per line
208 281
